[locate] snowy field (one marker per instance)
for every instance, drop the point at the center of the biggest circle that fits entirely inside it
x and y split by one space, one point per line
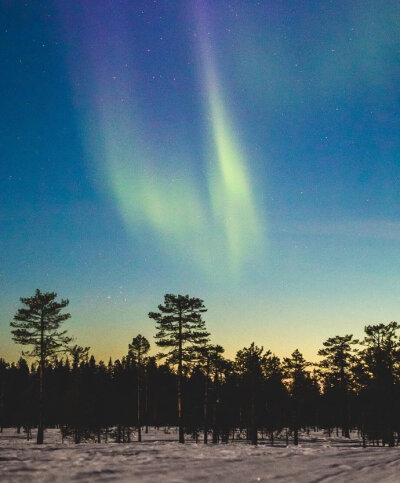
160 458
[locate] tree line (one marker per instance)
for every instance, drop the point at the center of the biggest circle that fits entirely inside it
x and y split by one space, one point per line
189 384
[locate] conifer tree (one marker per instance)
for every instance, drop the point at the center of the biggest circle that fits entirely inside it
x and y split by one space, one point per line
37 325
338 353
138 349
3 391
381 356
276 394
79 354
181 329
295 370
249 362
211 358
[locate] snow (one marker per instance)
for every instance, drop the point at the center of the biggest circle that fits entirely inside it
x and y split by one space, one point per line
160 458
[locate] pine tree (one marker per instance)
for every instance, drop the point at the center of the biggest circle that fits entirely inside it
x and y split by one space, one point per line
182 330
295 370
37 325
4 369
338 353
211 359
249 362
138 349
79 355
276 395
380 357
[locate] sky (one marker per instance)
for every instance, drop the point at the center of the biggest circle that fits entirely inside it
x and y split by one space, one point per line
244 152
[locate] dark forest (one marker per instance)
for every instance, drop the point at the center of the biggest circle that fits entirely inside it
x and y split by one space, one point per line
189 384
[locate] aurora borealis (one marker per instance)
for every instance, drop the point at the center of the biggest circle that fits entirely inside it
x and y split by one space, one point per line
209 217
245 152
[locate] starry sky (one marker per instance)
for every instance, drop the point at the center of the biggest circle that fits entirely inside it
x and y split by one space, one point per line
244 152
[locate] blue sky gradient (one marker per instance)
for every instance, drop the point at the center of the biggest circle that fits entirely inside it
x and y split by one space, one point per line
243 152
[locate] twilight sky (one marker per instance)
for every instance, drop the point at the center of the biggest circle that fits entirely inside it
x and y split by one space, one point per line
245 152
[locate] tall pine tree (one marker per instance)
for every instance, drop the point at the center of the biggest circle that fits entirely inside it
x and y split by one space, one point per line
181 329
37 325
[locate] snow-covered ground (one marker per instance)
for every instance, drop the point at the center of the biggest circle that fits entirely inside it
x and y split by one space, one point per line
160 459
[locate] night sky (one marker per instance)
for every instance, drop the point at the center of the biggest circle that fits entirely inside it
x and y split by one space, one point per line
243 152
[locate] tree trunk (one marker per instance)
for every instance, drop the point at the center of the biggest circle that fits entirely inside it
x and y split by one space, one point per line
254 438
391 413
180 410
40 431
345 415
205 409
146 409
295 435
215 436
139 423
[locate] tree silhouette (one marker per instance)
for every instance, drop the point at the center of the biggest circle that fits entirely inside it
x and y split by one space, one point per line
211 359
276 395
381 362
182 330
138 349
37 325
79 354
339 356
299 381
249 362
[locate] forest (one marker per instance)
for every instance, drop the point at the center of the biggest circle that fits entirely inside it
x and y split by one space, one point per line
189 384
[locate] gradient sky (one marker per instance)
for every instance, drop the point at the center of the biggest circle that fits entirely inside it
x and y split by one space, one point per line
245 152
